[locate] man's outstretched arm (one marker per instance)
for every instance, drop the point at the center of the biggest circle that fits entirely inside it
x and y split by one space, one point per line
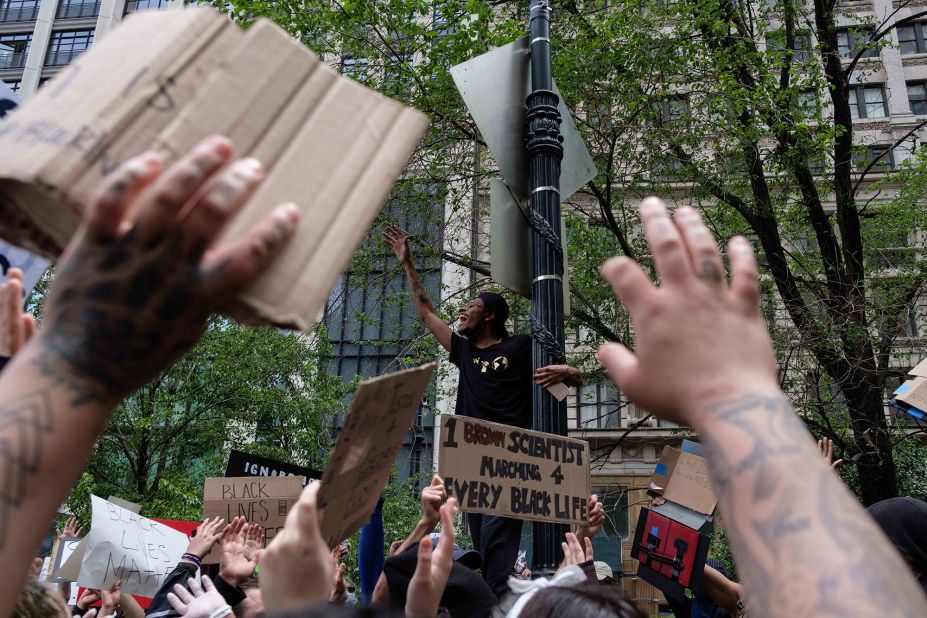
804 546
130 297
399 241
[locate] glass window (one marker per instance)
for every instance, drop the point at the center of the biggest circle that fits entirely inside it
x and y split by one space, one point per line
598 406
917 97
673 109
912 39
65 45
801 44
882 155
18 10
851 40
135 6
13 50
355 68
76 9
868 102
808 104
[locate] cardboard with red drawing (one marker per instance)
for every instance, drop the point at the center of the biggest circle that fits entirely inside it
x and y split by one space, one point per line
327 143
671 539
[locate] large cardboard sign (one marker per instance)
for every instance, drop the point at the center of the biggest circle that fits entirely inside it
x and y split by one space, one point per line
502 470
380 416
682 476
60 552
246 464
262 500
124 545
327 142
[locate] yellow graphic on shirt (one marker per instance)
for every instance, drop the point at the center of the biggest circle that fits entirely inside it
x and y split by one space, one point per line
500 363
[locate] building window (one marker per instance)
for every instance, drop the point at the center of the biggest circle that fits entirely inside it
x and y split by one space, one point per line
18 10
868 102
136 6
882 155
917 97
807 102
13 50
598 406
851 40
355 68
673 109
65 45
801 45
76 9
912 39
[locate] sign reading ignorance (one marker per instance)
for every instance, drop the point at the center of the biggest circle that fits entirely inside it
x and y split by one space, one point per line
501 470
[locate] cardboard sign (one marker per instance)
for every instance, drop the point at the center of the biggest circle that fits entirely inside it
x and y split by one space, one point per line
246 464
671 555
262 500
123 545
683 477
913 393
920 369
324 139
60 552
502 470
129 506
380 416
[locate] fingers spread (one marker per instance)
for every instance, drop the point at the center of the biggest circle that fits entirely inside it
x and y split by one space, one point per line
621 365
745 284
179 184
231 268
669 253
631 285
206 216
178 605
106 212
182 593
703 251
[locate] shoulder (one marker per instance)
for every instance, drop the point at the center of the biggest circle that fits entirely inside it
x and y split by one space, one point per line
518 342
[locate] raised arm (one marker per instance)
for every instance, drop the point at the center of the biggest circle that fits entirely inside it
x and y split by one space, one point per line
132 294
804 546
399 241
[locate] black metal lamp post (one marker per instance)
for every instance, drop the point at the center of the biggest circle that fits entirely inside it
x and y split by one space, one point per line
545 152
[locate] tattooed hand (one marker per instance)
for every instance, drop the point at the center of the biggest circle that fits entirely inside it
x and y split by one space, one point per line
707 335
398 240
16 327
140 278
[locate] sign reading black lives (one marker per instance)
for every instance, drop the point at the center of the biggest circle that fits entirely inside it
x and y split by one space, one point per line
502 470
245 464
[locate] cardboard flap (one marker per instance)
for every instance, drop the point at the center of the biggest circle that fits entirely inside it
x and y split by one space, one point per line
914 393
920 369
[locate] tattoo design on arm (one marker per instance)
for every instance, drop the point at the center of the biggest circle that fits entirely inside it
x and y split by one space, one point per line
804 546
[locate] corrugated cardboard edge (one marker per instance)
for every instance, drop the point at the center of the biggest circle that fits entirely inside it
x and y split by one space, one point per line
920 369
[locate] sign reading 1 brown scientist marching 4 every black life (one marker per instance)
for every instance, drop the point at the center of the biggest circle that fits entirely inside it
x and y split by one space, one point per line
502 470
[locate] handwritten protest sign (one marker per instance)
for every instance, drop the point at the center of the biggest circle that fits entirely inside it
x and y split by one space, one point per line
124 545
381 413
60 552
501 470
262 500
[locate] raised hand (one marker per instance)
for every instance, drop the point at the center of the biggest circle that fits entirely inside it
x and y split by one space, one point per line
254 542
111 599
235 566
339 593
573 552
200 601
141 277
296 568
87 599
70 530
398 240
206 536
16 327
433 568
433 497
826 445
708 335
595 516
553 374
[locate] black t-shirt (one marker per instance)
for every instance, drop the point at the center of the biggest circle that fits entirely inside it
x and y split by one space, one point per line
495 382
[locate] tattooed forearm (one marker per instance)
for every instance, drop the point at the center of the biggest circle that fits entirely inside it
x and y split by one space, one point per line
23 425
804 546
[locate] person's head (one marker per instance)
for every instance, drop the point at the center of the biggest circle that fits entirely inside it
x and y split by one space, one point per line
488 312
904 522
37 601
588 599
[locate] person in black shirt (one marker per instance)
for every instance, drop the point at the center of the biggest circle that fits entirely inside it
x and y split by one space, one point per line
495 385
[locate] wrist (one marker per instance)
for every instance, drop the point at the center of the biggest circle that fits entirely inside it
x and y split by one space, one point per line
708 404
233 580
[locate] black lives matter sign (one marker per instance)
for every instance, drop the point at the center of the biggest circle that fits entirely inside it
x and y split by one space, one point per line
502 470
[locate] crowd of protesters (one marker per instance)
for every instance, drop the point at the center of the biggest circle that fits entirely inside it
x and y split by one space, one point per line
134 291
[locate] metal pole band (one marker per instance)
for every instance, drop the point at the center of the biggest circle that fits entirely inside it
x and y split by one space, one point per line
547 278
539 39
540 189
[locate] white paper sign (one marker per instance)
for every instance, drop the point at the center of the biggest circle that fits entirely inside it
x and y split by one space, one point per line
33 266
122 544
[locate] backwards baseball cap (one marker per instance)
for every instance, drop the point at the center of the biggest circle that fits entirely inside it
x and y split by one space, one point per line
495 303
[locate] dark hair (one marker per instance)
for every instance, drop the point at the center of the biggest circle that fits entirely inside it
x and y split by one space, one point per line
495 304
589 600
